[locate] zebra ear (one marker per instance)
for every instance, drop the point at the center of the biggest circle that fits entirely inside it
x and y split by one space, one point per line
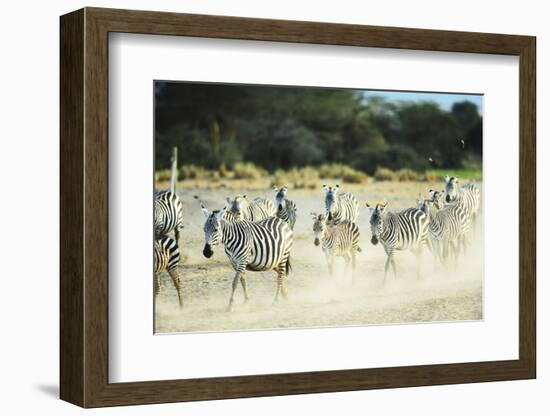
220 213
205 211
336 188
447 179
275 189
228 199
325 188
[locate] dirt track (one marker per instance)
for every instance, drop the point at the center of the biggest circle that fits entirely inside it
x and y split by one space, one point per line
316 299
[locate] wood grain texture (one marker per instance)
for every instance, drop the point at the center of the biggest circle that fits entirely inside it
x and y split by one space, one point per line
71 216
84 207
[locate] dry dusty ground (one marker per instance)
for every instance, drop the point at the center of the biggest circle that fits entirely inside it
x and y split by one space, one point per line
316 299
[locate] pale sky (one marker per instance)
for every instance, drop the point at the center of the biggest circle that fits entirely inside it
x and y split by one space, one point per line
444 100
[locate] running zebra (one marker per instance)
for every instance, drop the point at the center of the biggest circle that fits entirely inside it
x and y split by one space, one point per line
242 208
340 240
404 230
468 195
446 225
168 214
340 207
166 259
255 246
286 208
469 199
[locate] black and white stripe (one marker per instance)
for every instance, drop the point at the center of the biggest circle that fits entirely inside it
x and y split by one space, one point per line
340 207
467 195
255 246
339 240
447 225
468 198
168 214
242 208
166 259
404 230
286 208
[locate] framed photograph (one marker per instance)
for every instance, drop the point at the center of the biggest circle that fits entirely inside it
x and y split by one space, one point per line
255 207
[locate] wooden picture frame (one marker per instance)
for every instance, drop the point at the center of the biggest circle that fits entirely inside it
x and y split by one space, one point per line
84 207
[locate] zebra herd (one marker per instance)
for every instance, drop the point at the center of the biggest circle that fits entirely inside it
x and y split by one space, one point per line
257 233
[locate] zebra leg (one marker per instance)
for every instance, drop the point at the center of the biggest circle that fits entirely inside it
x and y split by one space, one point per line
386 267
177 235
347 259
233 288
444 252
330 263
174 274
394 268
281 281
157 286
245 287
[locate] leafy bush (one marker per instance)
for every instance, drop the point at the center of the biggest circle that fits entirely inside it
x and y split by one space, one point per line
430 176
395 157
162 175
298 178
353 176
404 175
345 172
193 172
385 174
248 171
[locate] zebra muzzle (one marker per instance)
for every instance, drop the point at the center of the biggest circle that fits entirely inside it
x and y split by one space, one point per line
374 240
316 242
207 251
448 198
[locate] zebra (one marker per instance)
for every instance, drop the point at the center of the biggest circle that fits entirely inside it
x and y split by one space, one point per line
168 214
404 230
468 197
166 259
446 225
255 246
242 208
340 207
340 240
286 208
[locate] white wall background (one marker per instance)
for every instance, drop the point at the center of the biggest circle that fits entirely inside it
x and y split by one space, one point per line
29 160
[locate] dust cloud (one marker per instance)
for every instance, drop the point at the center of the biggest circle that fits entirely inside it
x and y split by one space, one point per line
317 299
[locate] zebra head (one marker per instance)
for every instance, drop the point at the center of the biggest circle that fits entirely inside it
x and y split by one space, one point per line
331 200
237 206
212 230
451 188
377 221
319 227
424 205
436 197
280 197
